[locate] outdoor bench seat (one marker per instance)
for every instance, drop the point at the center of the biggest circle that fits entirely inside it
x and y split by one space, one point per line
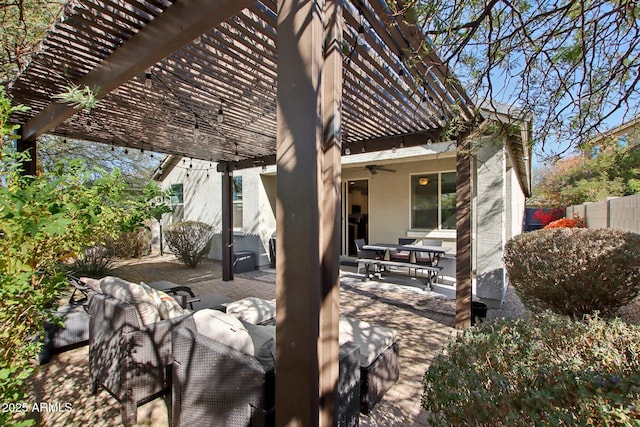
433 271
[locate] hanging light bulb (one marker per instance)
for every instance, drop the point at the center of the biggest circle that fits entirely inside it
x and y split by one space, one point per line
347 150
220 115
147 80
393 148
197 40
361 38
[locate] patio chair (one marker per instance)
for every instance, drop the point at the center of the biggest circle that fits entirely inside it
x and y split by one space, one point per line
402 256
217 384
130 351
364 254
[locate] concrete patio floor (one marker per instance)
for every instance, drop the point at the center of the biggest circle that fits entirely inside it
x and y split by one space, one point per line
423 323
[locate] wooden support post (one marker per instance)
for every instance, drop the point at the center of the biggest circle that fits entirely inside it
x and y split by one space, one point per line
29 167
227 221
463 232
308 202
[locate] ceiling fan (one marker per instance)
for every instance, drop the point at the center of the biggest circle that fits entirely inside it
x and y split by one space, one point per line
375 168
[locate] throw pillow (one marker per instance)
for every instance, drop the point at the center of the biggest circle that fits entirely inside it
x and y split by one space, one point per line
166 305
131 293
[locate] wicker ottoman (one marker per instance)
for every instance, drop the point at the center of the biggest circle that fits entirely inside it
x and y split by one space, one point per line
379 358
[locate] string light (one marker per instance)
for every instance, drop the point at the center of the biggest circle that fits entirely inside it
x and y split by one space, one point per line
220 117
361 38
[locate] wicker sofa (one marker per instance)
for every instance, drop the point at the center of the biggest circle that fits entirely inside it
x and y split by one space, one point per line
217 385
379 347
129 357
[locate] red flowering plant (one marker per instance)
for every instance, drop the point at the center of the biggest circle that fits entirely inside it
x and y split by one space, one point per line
575 222
545 216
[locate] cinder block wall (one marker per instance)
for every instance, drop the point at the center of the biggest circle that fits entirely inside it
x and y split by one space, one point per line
621 212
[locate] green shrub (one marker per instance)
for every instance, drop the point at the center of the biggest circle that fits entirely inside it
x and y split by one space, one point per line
96 261
544 371
190 241
574 271
131 244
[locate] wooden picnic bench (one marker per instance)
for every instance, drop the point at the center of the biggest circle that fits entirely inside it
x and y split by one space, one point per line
382 263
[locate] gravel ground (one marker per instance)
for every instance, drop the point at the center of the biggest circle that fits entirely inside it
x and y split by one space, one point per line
512 307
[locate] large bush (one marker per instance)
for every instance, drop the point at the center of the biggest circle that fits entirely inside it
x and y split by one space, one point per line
574 271
190 241
542 371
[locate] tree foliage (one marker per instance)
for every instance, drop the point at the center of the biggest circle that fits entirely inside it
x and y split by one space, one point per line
45 221
569 64
575 180
24 23
136 168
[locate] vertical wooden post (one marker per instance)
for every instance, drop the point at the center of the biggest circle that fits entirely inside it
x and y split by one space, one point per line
227 221
330 215
463 232
308 161
29 167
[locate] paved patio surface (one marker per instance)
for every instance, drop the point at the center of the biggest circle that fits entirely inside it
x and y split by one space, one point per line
422 321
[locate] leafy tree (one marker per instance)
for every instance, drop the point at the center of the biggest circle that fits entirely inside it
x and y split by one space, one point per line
576 180
45 221
569 64
24 23
135 167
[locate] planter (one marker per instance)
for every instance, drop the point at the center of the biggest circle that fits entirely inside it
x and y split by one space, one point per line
478 311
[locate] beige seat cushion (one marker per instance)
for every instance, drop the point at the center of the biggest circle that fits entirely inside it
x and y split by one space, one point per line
372 339
131 293
252 310
224 328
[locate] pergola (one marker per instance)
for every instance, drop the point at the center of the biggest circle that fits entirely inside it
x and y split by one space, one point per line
246 83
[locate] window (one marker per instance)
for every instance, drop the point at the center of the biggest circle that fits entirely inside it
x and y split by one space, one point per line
237 202
177 194
433 201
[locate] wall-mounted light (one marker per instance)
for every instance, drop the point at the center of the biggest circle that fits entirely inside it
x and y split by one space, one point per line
147 80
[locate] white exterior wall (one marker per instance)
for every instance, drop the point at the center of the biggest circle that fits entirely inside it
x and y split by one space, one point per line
390 198
490 221
203 202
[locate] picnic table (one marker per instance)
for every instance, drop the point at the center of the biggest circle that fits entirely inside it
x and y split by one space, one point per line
413 257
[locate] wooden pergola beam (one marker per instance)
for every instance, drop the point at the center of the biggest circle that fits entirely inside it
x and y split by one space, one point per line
177 26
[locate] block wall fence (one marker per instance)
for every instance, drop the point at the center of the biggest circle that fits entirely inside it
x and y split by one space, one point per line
622 213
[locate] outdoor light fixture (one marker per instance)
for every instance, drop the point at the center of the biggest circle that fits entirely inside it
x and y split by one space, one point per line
347 150
360 37
220 115
147 80
393 148
197 40
423 181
